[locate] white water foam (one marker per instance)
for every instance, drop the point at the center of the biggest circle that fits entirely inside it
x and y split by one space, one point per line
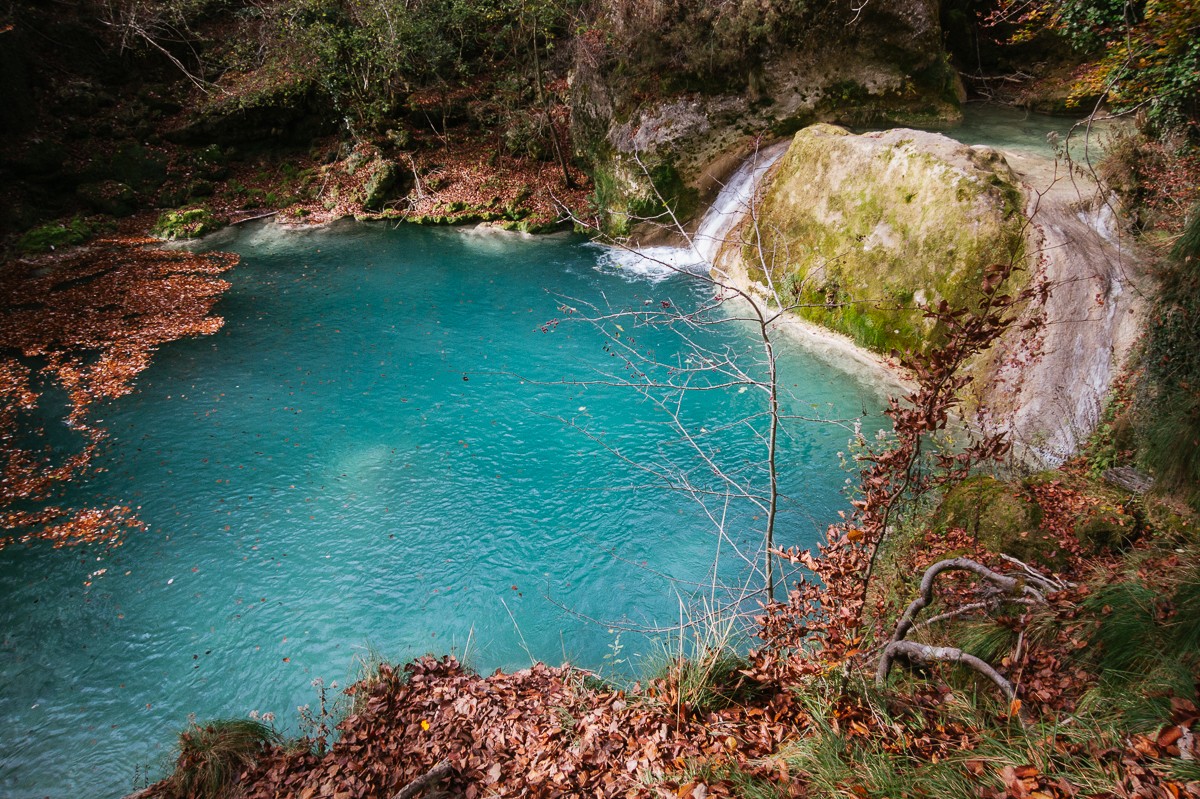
732 203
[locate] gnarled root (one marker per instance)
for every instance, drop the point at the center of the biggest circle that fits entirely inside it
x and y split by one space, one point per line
1029 587
426 780
923 654
1025 585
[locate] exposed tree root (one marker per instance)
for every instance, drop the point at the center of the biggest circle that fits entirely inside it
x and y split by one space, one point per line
924 654
1028 587
417 786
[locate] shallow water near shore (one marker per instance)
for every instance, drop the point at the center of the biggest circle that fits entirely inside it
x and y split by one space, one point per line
1016 130
388 449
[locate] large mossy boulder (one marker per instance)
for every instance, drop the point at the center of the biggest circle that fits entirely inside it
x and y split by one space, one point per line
1001 517
1107 527
862 231
385 183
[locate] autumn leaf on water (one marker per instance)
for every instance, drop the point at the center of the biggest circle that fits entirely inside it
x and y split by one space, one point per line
87 322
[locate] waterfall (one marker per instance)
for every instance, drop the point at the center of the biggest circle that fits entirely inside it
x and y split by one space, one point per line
658 263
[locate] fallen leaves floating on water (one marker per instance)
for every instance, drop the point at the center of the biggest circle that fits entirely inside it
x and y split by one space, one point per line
87 323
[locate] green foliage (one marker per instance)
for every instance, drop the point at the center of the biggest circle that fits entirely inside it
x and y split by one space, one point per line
1171 419
370 56
53 235
1110 444
1089 23
1146 52
187 223
1151 54
1127 613
212 757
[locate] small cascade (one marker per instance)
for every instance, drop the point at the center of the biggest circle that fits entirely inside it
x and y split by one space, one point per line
658 263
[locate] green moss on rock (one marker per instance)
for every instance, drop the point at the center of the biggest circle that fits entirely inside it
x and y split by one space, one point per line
56 234
1106 527
667 193
381 186
108 197
1002 517
627 194
187 223
864 230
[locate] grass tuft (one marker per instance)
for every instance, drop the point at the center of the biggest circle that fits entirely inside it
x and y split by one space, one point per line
709 681
213 756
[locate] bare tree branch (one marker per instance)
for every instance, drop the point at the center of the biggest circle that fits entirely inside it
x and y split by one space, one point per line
418 786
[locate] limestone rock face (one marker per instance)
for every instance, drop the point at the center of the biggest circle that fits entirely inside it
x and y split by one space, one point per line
883 65
859 232
863 230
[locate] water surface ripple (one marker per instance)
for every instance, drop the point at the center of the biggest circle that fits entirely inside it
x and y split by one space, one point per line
377 452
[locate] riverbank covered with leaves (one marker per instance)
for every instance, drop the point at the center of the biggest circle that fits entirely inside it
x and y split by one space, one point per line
1102 670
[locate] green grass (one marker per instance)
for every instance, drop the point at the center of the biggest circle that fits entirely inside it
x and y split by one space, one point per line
699 670
708 681
831 762
1145 647
213 756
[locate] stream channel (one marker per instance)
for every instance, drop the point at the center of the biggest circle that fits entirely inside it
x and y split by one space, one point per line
393 447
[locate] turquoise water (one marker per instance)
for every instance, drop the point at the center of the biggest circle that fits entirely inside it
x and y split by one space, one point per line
1016 130
383 451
